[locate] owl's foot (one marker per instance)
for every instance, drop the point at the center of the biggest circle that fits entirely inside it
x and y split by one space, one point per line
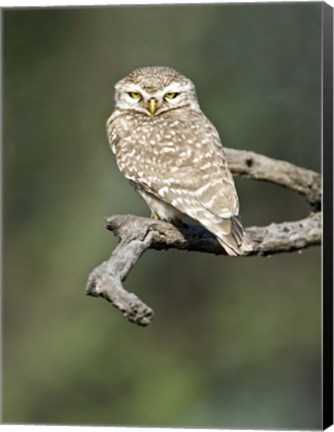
178 223
155 216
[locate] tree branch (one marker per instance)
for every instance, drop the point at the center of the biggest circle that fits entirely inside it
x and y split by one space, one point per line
253 165
137 234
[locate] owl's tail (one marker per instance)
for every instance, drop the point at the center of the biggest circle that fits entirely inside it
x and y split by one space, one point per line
237 241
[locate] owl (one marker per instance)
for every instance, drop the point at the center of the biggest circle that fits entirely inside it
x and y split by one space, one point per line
172 154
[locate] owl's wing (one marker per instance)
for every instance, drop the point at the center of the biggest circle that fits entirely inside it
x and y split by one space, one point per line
213 203
192 190
218 193
195 177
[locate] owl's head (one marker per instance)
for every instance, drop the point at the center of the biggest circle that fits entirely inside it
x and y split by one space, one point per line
155 89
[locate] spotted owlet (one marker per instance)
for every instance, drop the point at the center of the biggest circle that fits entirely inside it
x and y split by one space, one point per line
172 154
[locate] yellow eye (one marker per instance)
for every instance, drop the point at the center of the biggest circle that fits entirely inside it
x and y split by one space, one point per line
171 95
135 95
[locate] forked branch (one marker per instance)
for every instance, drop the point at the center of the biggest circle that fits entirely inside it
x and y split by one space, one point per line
137 234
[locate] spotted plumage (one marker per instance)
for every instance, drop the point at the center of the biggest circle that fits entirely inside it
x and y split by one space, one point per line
172 154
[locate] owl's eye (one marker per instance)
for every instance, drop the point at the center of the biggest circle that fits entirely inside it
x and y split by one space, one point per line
135 95
171 95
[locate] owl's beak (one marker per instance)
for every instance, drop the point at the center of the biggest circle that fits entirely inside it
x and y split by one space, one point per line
152 106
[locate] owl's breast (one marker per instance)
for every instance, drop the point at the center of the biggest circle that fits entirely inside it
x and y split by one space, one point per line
140 133
146 146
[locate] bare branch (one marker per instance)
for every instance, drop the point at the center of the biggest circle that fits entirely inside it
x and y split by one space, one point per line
253 165
137 234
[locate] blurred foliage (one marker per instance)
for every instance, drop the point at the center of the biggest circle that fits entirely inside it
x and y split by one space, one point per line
236 343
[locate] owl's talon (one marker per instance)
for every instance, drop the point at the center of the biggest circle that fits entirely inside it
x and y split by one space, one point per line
178 223
155 216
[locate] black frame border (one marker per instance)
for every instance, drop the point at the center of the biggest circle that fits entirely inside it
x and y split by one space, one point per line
327 131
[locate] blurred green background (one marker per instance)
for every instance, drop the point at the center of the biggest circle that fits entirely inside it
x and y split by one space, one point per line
236 343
